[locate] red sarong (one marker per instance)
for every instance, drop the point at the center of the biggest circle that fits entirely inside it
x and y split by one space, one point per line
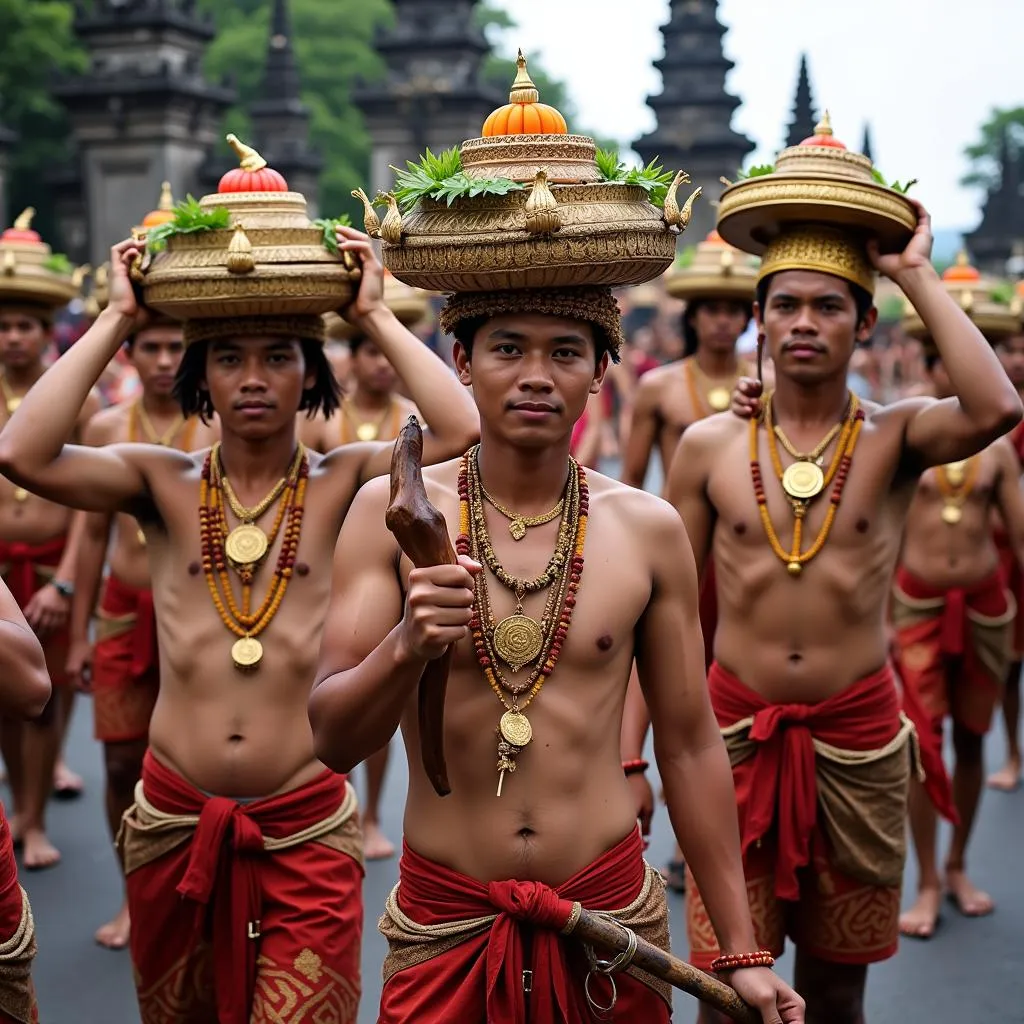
125 672
953 651
17 939
483 977
24 570
778 785
284 923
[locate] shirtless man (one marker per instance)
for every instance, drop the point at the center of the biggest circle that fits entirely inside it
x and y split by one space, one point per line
37 558
231 752
563 822
371 410
123 673
800 682
24 693
1011 354
953 619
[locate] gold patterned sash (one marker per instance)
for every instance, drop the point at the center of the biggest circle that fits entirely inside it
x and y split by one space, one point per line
17 996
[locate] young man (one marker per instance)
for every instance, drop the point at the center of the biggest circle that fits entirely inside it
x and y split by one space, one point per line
123 673
484 878
1007 779
37 560
953 618
242 851
800 683
371 410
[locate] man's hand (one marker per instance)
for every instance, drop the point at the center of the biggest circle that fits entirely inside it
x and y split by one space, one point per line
370 296
767 993
79 664
916 256
123 299
746 398
643 795
47 611
438 608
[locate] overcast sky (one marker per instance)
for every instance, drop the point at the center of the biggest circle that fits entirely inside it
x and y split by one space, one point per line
923 73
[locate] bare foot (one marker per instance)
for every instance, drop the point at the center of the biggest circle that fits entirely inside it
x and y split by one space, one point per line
969 899
114 934
921 920
39 852
66 784
376 845
1007 778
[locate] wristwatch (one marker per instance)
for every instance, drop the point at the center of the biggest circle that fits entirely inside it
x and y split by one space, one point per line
63 587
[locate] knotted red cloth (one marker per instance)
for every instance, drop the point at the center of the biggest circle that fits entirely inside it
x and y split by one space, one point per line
777 785
21 559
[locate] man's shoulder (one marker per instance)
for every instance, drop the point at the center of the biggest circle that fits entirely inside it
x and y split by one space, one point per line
714 430
639 509
109 425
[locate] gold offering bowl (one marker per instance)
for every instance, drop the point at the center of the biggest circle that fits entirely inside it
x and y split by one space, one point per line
593 234
272 261
24 276
815 184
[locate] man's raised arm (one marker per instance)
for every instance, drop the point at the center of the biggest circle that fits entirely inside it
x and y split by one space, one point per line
986 404
34 448
373 651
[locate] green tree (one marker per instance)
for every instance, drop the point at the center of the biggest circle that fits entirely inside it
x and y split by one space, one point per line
334 49
35 42
984 155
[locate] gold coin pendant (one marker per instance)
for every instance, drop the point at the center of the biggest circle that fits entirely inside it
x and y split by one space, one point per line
247 652
517 528
246 544
13 403
141 536
20 494
367 431
951 514
515 728
518 640
803 480
955 472
719 399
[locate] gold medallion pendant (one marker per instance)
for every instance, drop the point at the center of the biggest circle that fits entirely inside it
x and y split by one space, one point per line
247 652
719 399
951 514
803 480
12 404
515 729
246 544
141 536
517 528
367 431
955 472
20 494
518 640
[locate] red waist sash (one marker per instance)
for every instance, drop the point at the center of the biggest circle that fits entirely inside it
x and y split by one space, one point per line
120 599
20 561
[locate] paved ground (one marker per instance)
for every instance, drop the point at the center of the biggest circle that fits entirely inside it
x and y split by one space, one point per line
971 971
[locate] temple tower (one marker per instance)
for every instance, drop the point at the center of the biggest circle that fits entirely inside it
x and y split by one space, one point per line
142 113
433 93
866 147
1000 234
694 110
7 141
804 118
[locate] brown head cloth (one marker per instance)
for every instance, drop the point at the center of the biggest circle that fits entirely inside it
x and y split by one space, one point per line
311 327
592 305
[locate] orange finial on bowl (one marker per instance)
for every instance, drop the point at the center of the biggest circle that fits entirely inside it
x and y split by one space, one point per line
252 174
524 114
961 270
823 135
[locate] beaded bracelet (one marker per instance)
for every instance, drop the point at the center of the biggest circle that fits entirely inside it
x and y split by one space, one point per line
736 961
635 767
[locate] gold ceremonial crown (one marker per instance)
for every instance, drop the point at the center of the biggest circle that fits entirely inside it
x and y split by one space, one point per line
976 296
717 270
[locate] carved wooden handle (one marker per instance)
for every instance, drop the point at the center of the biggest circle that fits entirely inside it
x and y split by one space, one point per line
422 533
606 934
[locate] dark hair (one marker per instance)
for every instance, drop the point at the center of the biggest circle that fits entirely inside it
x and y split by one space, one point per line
862 300
323 397
355 343
931 359
465 332
690 341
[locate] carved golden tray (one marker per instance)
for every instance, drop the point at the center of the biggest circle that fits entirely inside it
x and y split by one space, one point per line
567 159
272 262
568 235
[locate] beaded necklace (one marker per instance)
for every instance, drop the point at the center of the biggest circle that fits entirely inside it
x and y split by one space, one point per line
247 651
512 639
838 469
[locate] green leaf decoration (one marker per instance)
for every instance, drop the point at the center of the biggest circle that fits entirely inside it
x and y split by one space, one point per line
653 178
189 218
757 171
686 257
1003 293
609 165
896 186
329 227
442 177
892 308
58 263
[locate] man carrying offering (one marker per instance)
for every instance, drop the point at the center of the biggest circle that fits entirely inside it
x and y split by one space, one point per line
803 506
545 625
242 852
953 617
37 547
